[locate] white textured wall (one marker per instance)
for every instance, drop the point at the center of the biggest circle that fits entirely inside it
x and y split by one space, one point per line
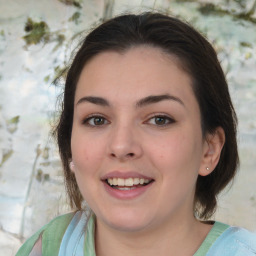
31 183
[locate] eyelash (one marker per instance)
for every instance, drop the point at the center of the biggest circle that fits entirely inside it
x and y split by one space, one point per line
91 117
167 120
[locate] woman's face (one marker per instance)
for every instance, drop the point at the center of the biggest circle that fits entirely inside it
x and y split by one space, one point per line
137 142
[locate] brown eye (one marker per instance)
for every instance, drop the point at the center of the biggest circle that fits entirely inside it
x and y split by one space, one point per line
160 120
98 120
95 121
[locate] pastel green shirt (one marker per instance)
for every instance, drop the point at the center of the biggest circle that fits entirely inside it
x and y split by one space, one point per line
73 234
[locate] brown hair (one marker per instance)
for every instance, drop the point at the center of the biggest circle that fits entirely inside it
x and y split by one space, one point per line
199 60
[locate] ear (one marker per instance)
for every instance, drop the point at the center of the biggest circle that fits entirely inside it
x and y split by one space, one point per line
212 149
72 166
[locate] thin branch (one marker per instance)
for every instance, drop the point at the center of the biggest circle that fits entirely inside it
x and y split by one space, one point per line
252 10
108 9
38 152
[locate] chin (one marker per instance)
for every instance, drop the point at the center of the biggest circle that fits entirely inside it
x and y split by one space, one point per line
125 222
128 226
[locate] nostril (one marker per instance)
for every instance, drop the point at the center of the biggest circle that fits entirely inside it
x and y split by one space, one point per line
126 155
113 155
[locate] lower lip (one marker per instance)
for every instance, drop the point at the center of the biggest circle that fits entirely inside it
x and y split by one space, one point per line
127 194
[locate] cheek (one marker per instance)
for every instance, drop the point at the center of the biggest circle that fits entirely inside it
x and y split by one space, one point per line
85 155
169 146
179 152
87 152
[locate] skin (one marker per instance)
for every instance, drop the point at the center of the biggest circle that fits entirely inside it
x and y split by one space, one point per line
127 137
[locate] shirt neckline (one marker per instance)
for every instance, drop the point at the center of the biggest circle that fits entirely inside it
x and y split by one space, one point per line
217 229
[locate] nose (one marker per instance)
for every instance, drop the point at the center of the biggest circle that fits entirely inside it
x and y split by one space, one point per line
124 143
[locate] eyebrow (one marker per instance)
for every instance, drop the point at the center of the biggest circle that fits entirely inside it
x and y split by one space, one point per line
95 100
141 103
157 98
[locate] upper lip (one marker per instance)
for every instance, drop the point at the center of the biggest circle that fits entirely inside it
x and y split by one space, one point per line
125 175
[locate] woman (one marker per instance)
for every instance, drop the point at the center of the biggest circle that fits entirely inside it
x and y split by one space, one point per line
147 137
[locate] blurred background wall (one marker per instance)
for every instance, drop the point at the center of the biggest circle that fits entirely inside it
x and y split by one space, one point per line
36 40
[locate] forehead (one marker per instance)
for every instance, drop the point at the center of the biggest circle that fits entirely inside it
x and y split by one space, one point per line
135 72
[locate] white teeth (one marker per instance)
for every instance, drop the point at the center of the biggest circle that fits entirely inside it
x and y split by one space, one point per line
120 182
125 188
127 182
136 181
114 181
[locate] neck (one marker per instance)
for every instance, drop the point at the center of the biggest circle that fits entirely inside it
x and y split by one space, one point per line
177 237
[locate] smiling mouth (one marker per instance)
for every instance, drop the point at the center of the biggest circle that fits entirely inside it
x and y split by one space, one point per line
127 184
